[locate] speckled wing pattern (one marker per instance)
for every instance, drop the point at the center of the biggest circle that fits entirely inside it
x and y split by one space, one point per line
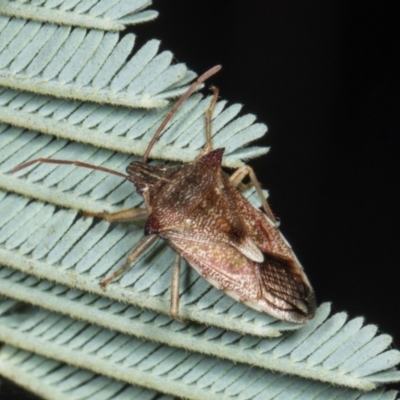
229 242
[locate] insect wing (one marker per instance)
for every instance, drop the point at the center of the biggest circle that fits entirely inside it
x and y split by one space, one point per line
219 263
285 289
272 286
282 280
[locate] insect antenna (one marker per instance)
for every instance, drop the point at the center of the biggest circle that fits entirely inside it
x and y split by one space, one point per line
170 114
68 162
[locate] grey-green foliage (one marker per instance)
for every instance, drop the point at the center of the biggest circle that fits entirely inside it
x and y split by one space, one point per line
51 379
138 362
105 15
72 93
334 349
89 65
129 131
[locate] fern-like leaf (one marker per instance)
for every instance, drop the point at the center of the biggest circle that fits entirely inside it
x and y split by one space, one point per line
111 15
165 368
86 65
128 131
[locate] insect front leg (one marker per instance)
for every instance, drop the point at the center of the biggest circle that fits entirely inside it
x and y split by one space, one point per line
140 248
236 179
175 283
119 216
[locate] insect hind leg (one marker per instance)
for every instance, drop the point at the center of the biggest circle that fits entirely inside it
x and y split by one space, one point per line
236 180
175 284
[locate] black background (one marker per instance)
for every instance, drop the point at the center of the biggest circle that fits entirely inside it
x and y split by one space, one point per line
324 76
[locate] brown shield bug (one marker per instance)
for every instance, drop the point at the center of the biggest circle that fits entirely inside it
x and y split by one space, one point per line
200 212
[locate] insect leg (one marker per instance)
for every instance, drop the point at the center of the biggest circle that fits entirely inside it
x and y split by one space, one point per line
236 180
176 276
209 112
118 216
208 147
140 248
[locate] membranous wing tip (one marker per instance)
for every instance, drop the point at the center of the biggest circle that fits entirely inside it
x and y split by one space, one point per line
286 290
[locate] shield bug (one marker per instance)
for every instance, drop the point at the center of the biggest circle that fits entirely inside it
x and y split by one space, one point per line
199 210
